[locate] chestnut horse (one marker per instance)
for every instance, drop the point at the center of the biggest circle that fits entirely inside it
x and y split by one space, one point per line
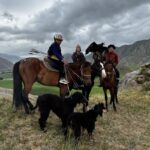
109 82
30 70
98 69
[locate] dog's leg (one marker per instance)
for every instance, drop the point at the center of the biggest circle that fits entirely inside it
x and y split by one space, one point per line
64 122
77 132
90 130
43 117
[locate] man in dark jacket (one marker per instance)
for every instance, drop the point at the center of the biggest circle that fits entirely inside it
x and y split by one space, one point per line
57 60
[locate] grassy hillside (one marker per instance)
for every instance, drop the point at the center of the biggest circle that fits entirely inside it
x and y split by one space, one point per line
128 129
5 65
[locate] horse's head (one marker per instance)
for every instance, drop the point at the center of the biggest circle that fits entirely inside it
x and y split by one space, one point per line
93 47
109 69
86 73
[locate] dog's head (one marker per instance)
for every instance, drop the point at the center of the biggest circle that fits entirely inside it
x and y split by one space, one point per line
80 98
99 108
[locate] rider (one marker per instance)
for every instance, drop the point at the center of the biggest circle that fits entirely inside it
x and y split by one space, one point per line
78 56
55 55
112 56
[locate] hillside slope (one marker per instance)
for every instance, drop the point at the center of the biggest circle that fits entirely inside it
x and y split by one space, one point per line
10 58
5 65
135 54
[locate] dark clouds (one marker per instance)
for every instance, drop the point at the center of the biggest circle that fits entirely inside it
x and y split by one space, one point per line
110 21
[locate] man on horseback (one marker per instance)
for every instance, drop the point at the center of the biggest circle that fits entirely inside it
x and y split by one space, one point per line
56 58
78 56
111 56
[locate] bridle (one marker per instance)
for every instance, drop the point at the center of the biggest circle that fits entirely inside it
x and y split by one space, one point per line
84 76
81 77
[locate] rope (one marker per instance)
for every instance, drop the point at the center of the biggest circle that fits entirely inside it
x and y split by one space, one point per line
67 80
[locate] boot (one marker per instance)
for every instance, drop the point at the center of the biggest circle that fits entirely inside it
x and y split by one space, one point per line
62 78
63 81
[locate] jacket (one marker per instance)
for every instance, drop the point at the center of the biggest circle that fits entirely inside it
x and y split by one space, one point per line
111 56
54 52
78 58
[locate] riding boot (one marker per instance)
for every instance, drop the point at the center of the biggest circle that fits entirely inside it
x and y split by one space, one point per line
117 76
62 76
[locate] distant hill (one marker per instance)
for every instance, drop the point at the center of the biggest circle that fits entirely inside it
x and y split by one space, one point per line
5 65
135 54
11 58
131 56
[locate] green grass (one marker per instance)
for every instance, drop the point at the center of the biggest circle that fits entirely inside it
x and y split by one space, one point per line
127 129
6 75
6 84
38 89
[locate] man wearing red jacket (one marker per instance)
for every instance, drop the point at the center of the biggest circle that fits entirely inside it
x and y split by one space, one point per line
112 56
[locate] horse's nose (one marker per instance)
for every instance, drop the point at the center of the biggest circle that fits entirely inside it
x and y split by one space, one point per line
88 83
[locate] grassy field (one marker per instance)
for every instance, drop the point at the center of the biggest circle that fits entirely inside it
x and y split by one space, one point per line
38 89
127 129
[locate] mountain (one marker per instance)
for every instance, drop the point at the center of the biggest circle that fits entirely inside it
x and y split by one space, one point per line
5 65
135 54
131 56
11 58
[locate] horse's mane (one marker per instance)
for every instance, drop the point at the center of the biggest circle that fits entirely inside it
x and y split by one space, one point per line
108 62
85 63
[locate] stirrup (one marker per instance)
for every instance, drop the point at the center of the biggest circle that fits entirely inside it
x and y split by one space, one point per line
63 81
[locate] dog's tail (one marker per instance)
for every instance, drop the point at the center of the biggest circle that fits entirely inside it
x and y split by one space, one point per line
37 104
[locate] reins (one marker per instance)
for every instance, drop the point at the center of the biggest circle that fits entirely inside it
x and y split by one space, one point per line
71 72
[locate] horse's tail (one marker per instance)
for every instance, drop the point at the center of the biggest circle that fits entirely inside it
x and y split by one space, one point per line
17 86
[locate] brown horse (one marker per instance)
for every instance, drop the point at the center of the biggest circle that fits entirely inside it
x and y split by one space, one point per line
109 83
30 70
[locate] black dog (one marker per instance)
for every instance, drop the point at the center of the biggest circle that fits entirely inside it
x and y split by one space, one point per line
62 107
85 120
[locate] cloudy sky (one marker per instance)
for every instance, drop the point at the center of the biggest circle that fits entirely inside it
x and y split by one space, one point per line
32 23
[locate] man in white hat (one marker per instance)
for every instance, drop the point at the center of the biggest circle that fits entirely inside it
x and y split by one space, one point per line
55 55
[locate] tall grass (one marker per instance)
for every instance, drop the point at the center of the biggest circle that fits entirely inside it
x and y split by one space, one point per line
126 129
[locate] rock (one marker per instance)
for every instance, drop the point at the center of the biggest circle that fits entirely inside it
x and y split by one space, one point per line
140 79
129 80
146 86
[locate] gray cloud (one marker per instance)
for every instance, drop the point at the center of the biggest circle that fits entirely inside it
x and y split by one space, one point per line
117 21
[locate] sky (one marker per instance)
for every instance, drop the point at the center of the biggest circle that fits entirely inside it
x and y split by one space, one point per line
33 23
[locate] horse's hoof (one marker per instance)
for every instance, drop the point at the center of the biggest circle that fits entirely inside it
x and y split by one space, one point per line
27 112
45 130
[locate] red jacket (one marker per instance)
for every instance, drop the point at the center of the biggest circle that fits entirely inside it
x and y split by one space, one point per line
111 56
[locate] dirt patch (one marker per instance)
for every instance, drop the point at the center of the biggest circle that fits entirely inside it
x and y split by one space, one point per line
8 94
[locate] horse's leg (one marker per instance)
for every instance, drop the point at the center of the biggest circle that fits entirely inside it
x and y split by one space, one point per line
116 95
64 89
112 94
86 90
26 91
106 98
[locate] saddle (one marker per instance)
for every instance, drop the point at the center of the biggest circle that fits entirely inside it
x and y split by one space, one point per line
47 63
